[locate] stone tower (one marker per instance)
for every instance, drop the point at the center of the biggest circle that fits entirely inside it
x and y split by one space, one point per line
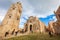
12 18
57 23
57 13
55 26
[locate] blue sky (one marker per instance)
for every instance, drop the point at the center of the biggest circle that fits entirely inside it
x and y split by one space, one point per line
43 9
48 19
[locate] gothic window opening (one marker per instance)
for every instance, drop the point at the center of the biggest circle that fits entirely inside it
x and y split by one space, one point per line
13 32
30 27
6 33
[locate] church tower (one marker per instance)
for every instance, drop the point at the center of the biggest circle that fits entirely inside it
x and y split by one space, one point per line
12 18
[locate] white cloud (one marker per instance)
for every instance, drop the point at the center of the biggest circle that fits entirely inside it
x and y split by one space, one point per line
39 8
1 18
22 21
44 6
36 7
2 14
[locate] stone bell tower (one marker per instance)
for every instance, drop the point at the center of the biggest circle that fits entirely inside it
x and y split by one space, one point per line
57 13
55 26
12 18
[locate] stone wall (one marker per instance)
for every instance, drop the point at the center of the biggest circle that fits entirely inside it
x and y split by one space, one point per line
33 24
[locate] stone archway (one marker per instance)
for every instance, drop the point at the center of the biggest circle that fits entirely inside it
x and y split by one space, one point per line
30 27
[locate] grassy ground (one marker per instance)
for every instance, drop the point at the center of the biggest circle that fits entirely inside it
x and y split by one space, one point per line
35 37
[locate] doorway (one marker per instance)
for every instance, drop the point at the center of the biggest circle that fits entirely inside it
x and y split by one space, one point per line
30 27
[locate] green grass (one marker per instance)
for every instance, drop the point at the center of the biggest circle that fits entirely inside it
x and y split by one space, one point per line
35 37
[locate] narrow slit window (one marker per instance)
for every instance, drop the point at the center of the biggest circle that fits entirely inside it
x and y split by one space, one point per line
17 18
13 8
9 16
